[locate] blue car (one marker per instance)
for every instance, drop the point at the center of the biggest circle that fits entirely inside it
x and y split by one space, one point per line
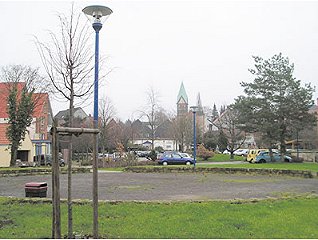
264 157
175 158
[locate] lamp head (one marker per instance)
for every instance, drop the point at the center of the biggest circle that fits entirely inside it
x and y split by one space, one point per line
95 13
194 109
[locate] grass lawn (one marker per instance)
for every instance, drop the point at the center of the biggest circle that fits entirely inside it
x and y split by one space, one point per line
285 218
289 166
222 158
115 169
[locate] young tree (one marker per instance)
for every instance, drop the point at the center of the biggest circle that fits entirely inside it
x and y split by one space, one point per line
275 102
21 82
68 61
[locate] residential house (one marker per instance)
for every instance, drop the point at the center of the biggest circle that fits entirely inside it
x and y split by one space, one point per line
25 152
37 139
141 135
241 139
81 119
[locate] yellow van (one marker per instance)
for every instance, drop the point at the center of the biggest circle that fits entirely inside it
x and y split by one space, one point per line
252 153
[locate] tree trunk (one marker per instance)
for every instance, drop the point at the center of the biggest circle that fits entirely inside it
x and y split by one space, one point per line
69 172
271 155
14 153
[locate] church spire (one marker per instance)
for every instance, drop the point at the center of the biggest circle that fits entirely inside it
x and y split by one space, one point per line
182 94
199 104
182 101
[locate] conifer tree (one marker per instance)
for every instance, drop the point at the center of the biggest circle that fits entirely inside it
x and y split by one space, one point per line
275 102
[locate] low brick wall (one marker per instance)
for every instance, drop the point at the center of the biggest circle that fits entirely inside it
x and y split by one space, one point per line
293 173
38 171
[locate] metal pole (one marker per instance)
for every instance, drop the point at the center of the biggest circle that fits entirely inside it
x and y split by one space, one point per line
97 26
194 139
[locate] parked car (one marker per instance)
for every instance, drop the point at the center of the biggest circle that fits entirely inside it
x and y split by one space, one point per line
22 164
264 157
186 155
142 153
175 158
46 160
252 153
226 152
61 162
241 152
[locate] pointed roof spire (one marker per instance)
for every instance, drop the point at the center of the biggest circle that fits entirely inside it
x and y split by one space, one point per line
199 104
182 94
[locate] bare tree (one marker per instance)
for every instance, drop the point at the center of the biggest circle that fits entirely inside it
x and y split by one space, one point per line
152 113
67 60
227 124
182 131
107 113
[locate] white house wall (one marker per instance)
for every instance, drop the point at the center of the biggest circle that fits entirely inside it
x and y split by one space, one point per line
166 144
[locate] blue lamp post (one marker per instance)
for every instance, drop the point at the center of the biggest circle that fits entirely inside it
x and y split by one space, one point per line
194 110
95 14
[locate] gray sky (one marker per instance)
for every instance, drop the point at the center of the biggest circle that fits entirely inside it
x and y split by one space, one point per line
206 44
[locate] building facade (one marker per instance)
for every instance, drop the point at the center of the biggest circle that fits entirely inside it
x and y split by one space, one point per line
37 139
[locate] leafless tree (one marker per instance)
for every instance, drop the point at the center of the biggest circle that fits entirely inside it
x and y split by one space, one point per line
107 113
152 113
68 61
182 131
227 124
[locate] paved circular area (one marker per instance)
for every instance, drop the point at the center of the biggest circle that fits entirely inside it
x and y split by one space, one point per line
168 186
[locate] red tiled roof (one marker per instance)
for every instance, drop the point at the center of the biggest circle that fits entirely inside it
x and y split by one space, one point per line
3 137
40 98
4 92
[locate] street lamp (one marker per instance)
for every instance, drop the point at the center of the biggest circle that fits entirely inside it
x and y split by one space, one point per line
194 110
95 13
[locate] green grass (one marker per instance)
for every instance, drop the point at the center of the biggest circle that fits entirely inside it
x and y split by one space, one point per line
117 169
288 166
285 218
222 158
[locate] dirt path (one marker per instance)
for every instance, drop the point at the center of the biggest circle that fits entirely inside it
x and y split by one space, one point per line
168 186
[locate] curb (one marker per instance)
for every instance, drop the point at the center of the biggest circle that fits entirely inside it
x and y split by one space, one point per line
269 171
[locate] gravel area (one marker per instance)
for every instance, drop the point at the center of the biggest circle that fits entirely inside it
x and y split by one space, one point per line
168 186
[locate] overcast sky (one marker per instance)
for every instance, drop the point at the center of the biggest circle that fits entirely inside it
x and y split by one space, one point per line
207 45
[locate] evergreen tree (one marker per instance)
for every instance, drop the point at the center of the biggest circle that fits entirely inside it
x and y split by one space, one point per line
215 113
275 102
20 104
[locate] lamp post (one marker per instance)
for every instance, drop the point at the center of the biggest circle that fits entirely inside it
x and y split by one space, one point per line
95 14
194 110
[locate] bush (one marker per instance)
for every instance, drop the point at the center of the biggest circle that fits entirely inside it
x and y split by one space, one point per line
159 149
204 153
152 155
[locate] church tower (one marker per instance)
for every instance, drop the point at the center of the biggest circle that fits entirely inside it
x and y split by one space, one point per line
199 105
182 102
